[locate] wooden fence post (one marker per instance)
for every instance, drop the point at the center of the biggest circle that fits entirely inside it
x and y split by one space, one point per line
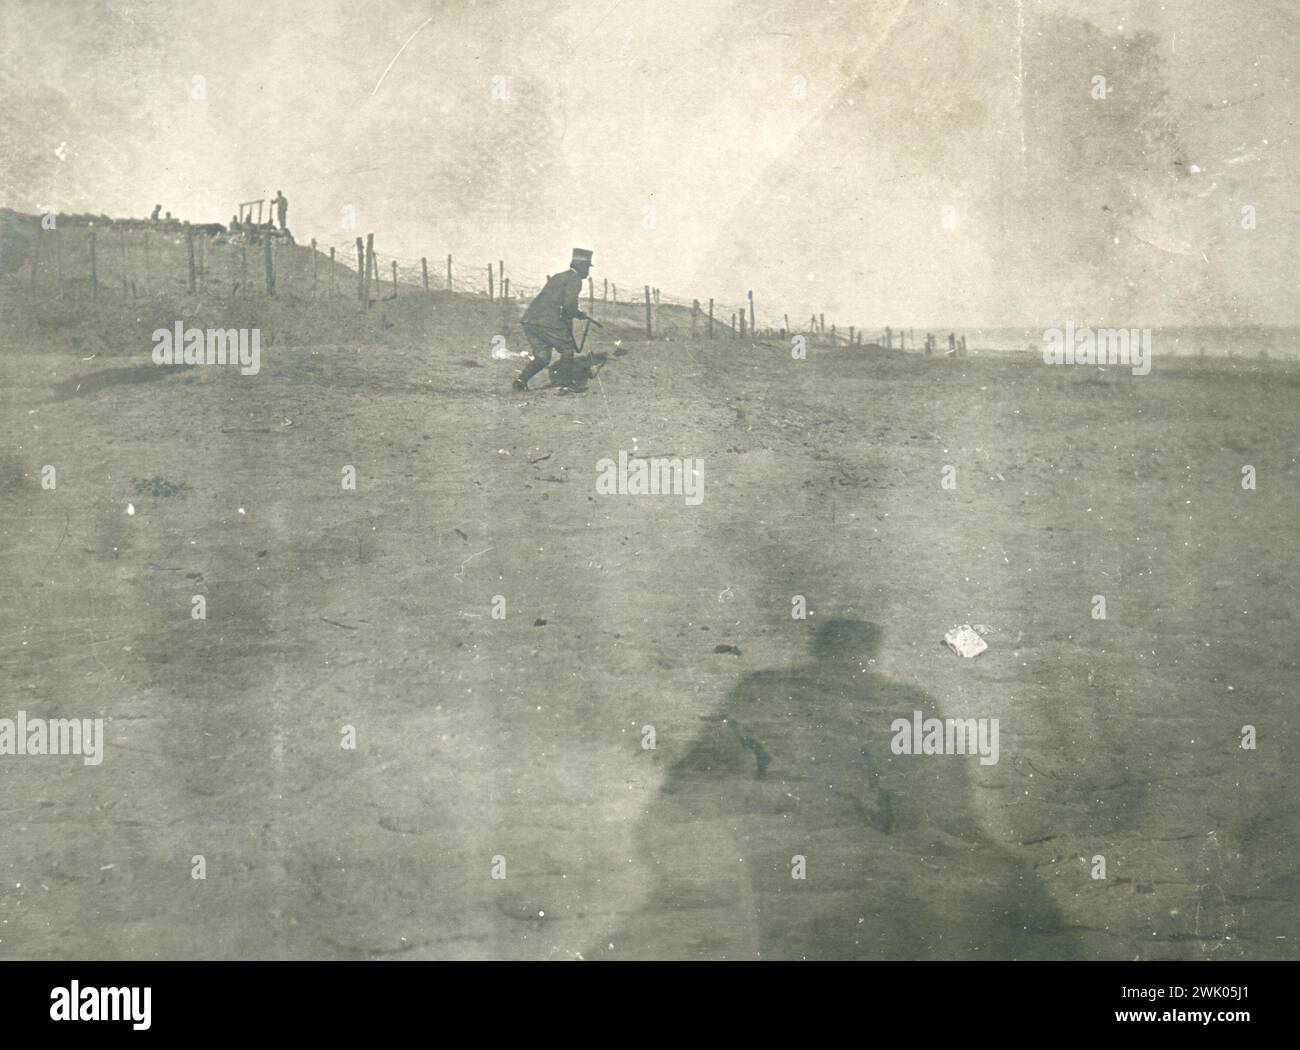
753 327
270 266
695 317
742 322
424 272
361 271
649 331
604 296
491 296
591 294
787 324
189 250
449 273
852 336
615 287
94 273
121 243
371 262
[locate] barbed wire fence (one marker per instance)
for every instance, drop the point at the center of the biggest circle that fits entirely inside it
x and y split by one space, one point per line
83 259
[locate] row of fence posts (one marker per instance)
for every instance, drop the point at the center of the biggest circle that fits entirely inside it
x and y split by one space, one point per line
368 271
956 345
195 262
195 268
498 284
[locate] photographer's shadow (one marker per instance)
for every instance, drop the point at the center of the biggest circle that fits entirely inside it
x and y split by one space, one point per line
798 764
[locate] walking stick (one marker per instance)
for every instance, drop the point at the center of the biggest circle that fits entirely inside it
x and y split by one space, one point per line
590 321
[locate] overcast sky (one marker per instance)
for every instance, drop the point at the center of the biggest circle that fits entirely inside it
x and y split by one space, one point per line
677 141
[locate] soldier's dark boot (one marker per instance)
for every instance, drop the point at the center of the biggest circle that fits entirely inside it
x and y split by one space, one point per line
534 366
564 372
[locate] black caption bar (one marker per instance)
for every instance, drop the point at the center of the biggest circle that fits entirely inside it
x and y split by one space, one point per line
338 999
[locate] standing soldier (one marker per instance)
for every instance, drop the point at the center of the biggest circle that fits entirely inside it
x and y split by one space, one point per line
281 203
548 321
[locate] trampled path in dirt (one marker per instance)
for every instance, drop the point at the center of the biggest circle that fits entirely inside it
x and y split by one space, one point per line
521 738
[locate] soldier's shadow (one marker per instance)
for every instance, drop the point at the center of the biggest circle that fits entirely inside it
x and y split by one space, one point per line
797 764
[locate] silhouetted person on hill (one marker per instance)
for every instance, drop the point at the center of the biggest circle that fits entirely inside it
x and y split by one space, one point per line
281 203
156 209
799 764
548 321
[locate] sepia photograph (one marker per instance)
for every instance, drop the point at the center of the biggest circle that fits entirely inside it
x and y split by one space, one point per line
704 481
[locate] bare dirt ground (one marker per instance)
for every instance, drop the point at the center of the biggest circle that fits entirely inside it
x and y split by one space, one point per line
521 737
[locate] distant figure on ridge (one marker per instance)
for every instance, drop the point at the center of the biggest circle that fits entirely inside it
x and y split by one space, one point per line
548 321
281 203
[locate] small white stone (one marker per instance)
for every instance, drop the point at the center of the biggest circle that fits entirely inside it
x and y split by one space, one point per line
964 641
